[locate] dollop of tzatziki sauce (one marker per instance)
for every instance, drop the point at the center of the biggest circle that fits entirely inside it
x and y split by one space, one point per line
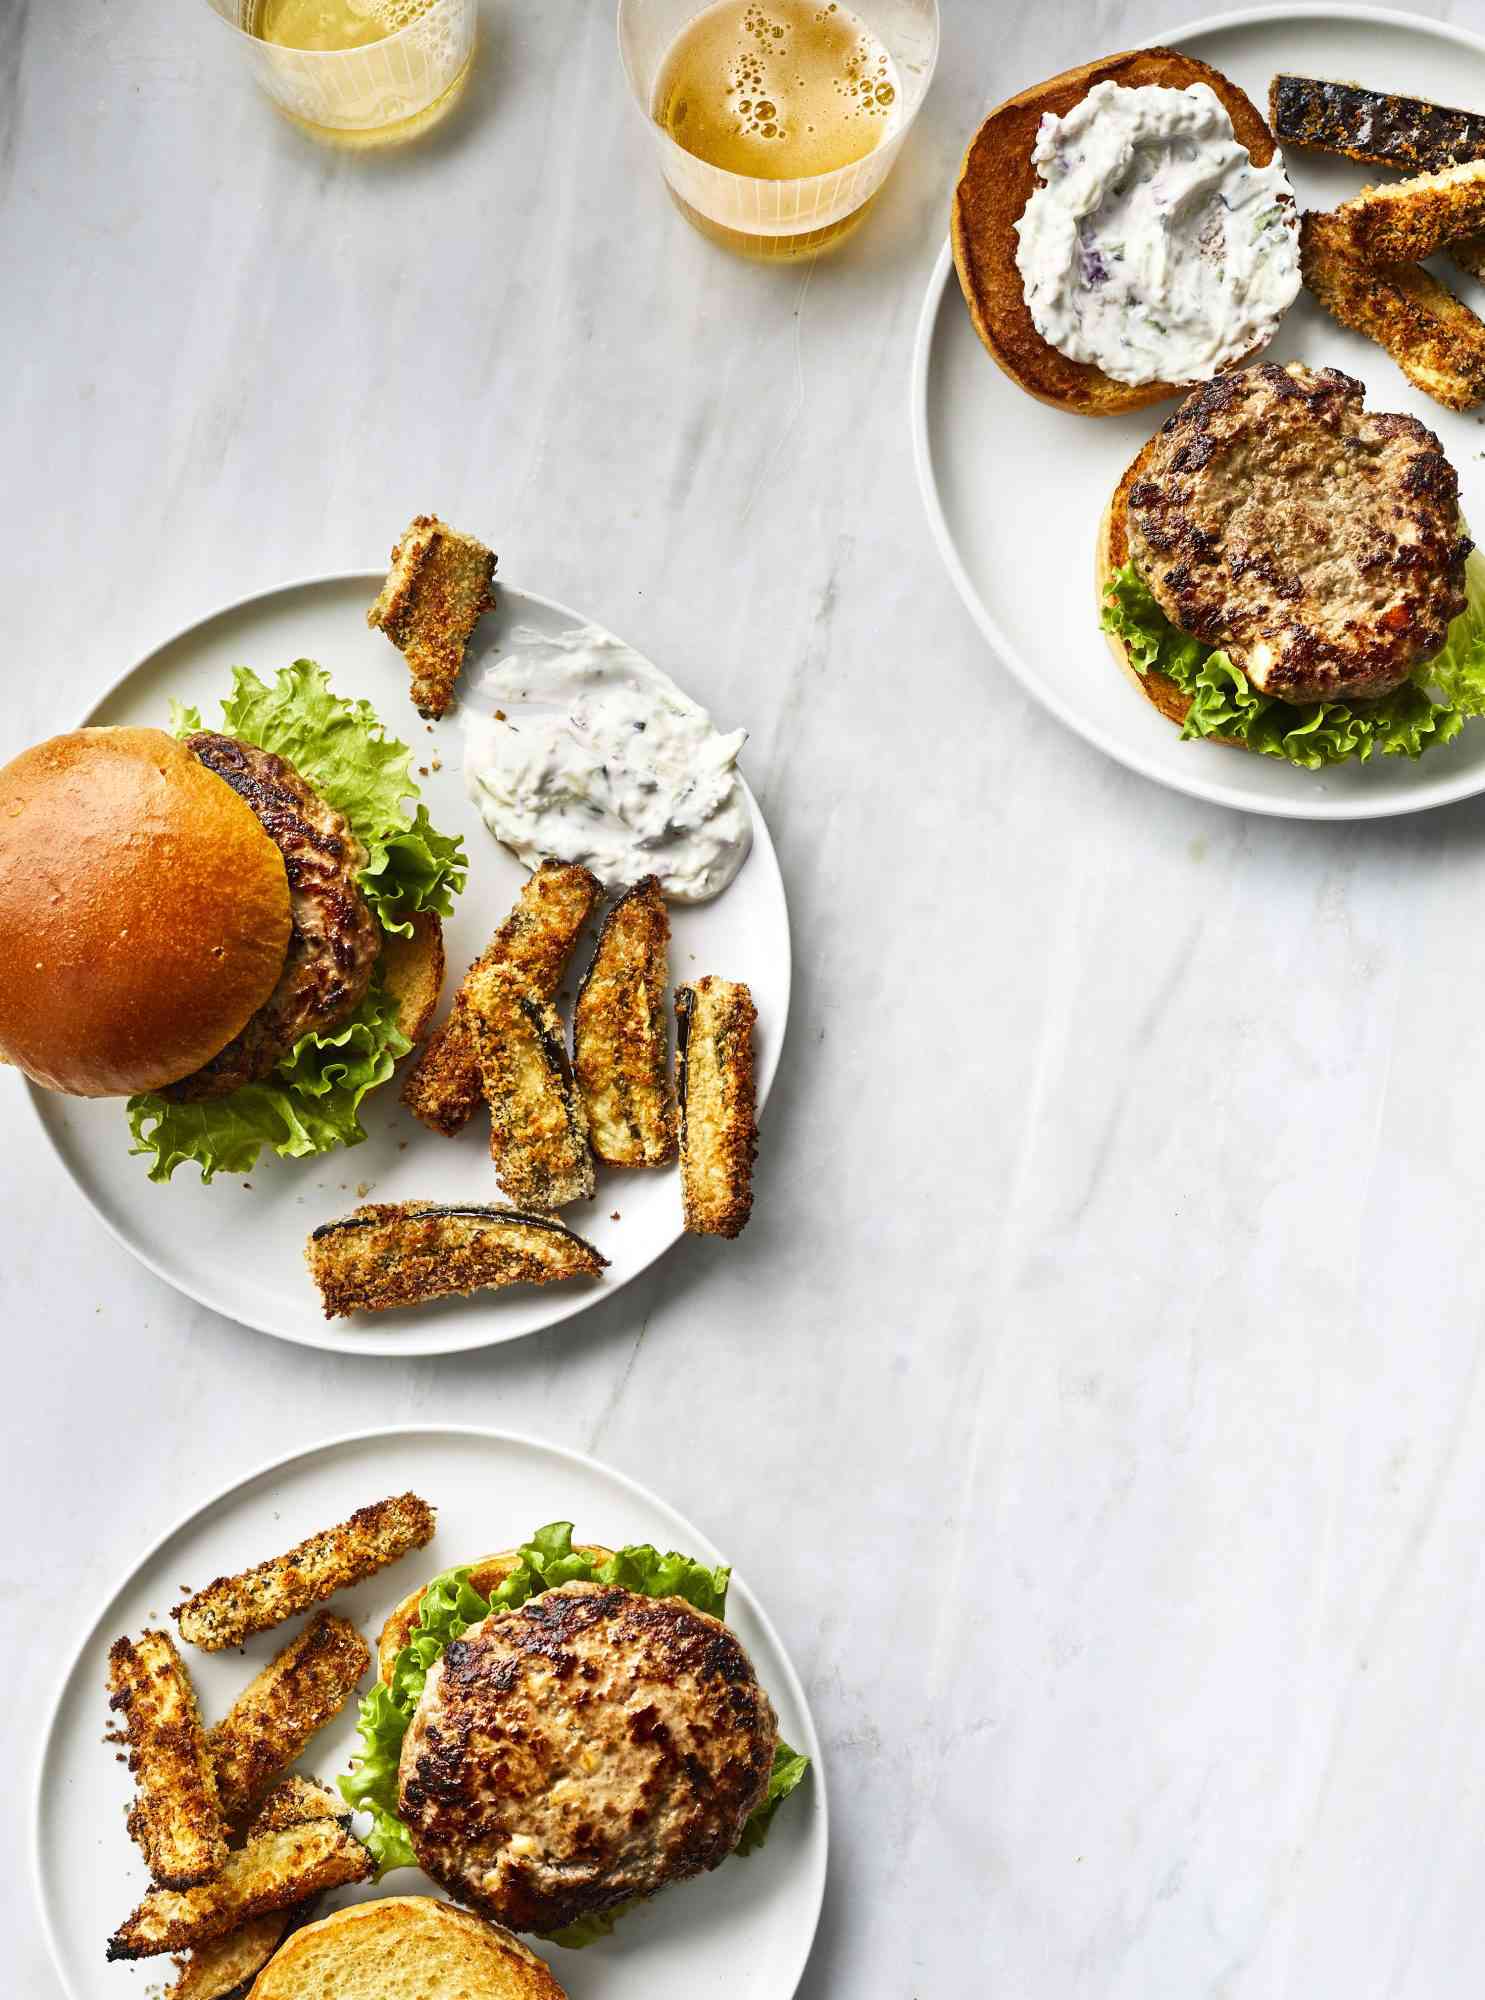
1153 247
589 753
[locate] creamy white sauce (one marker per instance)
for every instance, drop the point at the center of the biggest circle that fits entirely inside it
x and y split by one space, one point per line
589 753
1154 247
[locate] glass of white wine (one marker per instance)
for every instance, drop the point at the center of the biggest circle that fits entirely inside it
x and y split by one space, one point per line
777 121
357 72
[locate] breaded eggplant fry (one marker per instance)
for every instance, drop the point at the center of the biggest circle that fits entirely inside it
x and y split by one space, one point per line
299 1802
714 1083
176 1817
274 1871
225 1967
1468 253
1372 125
277 1713
437 590
1406 221
1434 338
538 1127
536 940
402 1253
620 1036
234 1607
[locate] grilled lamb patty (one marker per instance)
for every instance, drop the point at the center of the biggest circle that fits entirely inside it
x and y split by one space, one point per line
1317 544
335 939
589 1747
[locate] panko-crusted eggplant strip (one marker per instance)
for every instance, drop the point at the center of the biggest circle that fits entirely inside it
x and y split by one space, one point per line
536 941
299 1802
1468 253
274 1871
401 1254
1434 338
620 1037
538 1127
1406 221
234 1607
1372 125
176 1817
277 1713
714 1083
225 1967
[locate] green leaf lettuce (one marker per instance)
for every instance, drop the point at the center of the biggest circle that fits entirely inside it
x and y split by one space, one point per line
450 1605
1224 703
312 1100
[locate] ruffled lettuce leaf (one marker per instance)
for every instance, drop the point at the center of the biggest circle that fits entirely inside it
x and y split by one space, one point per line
1224 703
311 1102
789 1766
1459 671
449 1606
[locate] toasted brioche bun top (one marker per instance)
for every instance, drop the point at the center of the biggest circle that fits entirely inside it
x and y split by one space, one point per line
996 180
486 1575
404 1948
144 912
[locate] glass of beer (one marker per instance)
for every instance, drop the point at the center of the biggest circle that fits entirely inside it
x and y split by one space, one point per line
357 72
777 121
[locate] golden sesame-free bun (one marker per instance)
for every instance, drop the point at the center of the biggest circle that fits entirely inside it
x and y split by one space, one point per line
404 1948
486 1575
144 912
996 179
412 969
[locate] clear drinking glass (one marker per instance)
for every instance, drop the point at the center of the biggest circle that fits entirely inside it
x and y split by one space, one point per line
378 95
779 219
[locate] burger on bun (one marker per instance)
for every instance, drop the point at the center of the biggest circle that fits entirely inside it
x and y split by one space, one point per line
237 930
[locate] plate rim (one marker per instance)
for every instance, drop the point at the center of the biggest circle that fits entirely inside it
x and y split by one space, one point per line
353 1339
489 1434
1211 791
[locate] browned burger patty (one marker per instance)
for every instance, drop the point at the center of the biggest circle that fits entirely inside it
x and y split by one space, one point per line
1317 544
589 1747
335 938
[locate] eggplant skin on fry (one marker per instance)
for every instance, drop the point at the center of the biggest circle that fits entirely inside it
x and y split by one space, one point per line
390 1254
538 1124
620 1042
535 941
280 1867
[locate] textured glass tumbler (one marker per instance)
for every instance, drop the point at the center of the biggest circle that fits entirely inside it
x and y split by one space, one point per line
778 219
379 95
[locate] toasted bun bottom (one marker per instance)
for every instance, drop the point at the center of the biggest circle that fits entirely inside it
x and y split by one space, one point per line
405 1948
996 179
412 971
144 912
486 1575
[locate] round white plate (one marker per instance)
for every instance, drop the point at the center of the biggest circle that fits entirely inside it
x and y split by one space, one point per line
238 1245
743 1932
1015 490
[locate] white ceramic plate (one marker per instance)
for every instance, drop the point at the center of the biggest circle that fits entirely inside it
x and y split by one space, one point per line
1015 490
238 1245
743 1932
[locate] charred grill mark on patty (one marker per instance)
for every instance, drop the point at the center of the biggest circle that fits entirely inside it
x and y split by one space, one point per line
1315 543
584 1749
335 939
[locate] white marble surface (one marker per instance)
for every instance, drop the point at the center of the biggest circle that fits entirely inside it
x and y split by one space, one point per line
1096 1399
